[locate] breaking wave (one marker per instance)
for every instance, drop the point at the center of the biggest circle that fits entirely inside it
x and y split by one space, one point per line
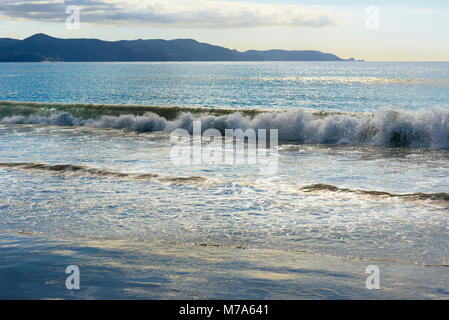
386 127
70 169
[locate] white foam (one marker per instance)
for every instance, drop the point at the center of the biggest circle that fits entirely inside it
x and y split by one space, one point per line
386 127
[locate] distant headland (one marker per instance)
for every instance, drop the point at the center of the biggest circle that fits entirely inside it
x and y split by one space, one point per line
41 47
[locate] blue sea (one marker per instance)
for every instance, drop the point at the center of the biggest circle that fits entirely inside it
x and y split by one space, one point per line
89 177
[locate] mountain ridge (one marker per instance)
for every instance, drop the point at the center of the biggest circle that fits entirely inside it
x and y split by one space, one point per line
41 47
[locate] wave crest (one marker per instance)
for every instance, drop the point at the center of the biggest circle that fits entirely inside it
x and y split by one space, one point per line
443 197
70 169
385 127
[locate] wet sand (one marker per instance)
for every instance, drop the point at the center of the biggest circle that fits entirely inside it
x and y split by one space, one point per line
33 267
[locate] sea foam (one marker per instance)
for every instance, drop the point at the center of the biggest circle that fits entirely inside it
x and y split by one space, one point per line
386 127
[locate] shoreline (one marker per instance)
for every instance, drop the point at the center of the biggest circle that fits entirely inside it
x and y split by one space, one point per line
33 268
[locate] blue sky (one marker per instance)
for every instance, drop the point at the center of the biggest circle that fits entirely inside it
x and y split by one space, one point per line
405 31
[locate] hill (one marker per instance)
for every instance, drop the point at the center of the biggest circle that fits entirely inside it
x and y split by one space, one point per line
41 47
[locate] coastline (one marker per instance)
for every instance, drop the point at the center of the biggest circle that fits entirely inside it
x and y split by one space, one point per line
167 112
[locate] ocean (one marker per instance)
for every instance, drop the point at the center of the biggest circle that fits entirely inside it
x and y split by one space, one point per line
358 176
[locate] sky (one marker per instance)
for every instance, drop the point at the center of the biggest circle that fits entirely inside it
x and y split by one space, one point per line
374 30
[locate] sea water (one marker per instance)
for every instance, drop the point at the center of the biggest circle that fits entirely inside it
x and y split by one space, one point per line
362 178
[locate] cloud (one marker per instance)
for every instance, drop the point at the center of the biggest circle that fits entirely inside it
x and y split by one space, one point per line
172 13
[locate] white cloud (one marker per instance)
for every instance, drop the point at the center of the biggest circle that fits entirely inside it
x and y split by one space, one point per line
173 13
